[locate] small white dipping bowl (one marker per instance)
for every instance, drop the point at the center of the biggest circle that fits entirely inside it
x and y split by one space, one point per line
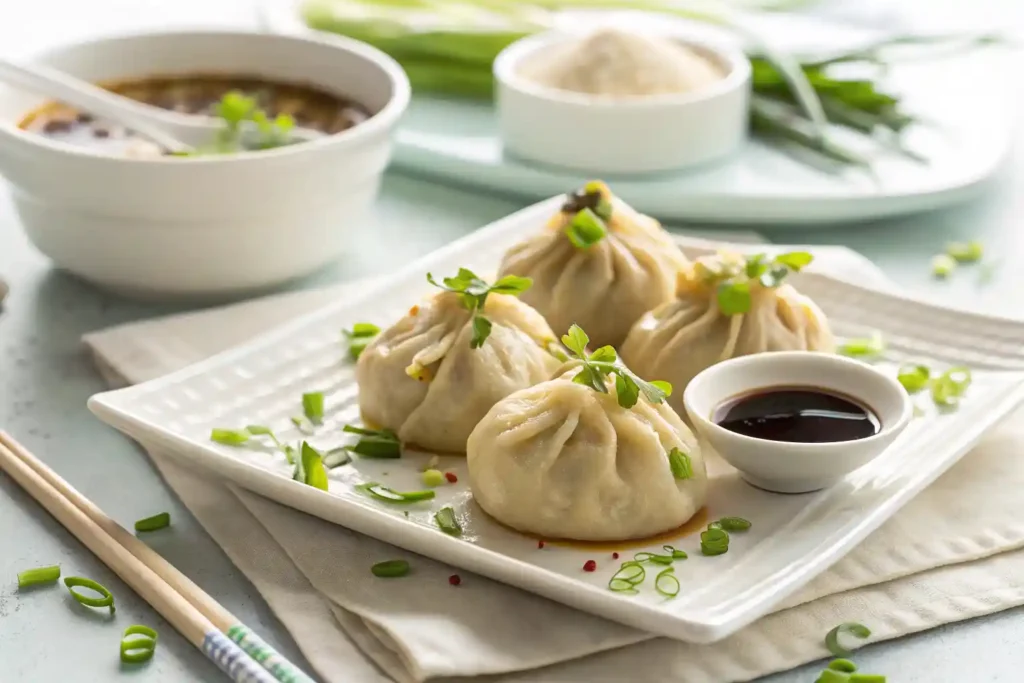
211 225
796 467
618 136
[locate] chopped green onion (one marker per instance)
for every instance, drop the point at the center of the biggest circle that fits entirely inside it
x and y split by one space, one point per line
947 388
666 583
853 628
586 229
362 331
866 678
313 472
943 265
631 573
680 464
447 521
914 378
653 558
390 569
833 676
313 406
135 650
870 346
391 496
374 443
714 541
621 586
35 577
433 478
965 252
336 457
230 437
106 599
734 524
844 665
675 552
154 523
715 525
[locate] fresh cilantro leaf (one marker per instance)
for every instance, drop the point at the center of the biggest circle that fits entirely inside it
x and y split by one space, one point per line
473 291
591 377
576 341
756 265
627 390
734 297
481 330
680 464
774 275
605 354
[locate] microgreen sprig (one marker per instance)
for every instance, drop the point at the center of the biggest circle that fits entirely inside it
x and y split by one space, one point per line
598 365
590 209
473 292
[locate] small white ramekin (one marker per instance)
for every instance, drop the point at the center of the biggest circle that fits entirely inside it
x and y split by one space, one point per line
796 467
213 225
604 136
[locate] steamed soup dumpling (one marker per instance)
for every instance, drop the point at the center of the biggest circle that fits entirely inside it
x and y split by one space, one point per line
563 460
598 263
726 306
438 370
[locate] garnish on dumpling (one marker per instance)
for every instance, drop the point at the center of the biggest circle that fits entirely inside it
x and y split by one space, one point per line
595 454
726 305
598 263
438 370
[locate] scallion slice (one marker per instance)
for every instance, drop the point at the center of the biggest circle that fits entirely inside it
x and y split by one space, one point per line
391 496
375 443
968 252
844 665
313 406
40 575
714 541
653 558
666 583
680 464
914 378
853 628
586 229
390 569
313 472
106 598
865 347
336 457
734 524
866 678
631 573
154 523
447 521
675 552
140 648
833 676
230 437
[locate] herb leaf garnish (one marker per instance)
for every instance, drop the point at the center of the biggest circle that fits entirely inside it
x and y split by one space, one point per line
598 365
313 472
733 293
473 291
680 464
586 229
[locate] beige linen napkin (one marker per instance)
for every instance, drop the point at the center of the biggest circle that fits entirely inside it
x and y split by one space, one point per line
923 568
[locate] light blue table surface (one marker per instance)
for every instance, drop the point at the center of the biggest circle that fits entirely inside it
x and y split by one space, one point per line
45 379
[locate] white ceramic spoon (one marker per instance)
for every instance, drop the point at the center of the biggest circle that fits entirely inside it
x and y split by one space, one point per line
173 131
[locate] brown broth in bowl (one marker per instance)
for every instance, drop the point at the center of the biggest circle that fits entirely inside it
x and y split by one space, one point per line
310 107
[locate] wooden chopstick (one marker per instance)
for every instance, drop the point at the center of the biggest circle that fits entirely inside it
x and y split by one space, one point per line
196 615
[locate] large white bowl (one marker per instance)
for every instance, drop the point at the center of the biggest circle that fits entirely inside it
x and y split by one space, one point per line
604 136
215 225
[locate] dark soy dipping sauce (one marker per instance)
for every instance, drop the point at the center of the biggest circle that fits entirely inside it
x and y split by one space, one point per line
797 415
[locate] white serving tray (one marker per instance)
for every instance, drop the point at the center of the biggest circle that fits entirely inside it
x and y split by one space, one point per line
968 101
793 538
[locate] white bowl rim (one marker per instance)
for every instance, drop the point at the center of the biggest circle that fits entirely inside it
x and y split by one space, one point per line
884 434
507 61
401 93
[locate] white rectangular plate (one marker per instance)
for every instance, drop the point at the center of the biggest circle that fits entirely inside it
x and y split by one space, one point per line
793 538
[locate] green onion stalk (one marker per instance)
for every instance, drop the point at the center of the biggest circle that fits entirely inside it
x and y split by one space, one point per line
447 48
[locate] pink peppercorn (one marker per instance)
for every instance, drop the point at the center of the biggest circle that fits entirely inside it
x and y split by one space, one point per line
450 476
540 545
589 566
615 556
455 579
